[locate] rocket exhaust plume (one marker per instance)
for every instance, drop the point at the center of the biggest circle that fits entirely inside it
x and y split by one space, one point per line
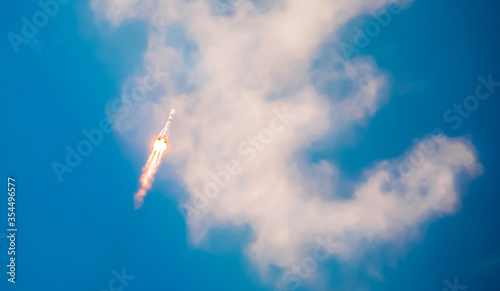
160 145
149 170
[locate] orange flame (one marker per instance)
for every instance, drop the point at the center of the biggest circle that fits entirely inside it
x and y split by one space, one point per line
149 170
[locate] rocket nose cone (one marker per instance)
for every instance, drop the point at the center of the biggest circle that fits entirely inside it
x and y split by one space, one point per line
172 112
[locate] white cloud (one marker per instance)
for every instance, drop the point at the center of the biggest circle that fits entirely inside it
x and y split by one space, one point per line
247 65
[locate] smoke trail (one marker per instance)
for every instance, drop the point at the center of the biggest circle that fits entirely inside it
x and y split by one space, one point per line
149 170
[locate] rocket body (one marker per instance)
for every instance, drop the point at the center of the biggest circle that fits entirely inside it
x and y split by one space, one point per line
166 130
160 145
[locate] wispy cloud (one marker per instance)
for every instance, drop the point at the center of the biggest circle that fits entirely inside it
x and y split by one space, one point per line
245 65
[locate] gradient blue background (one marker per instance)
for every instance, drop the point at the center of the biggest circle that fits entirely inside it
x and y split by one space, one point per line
72 234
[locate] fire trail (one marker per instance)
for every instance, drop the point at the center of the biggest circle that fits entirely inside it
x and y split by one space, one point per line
160 145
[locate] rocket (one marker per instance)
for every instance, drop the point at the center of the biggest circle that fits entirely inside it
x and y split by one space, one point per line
160 146
165 131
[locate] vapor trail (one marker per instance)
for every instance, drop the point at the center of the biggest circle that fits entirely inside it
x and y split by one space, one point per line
149 170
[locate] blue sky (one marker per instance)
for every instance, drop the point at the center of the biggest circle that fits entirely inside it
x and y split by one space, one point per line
73 233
